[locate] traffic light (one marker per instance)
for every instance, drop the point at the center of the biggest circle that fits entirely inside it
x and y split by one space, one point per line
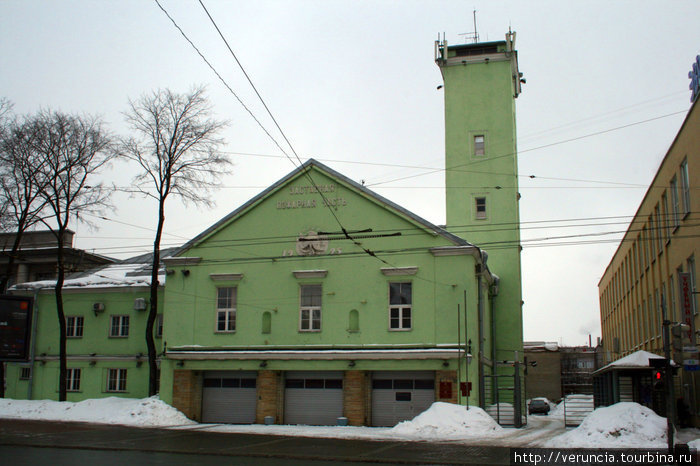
657 379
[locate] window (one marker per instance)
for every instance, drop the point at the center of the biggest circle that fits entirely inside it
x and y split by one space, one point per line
266 322
74 326
479 145
659 229
116 380
226 309
310 308
480 207
666 216
685 187
25 373
652 240
159 326
400 304
675 202
73 380
119 326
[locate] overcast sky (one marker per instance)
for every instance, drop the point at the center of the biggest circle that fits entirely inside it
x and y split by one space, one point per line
354 85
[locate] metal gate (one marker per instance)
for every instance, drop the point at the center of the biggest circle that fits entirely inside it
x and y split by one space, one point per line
313 398
229 397
504 395
400 396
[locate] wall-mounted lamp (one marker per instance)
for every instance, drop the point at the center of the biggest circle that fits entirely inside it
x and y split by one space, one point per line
351 364
445 364
263 364
186 273
93 363
181 363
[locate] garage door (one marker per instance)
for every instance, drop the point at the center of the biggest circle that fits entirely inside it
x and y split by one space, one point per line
313 398
229 397
400 396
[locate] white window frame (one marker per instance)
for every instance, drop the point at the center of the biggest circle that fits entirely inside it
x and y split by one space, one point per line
479 145
73 379
675 202
398 311
74 326
685 187
309 312
116 380
120 323
480 214
226 300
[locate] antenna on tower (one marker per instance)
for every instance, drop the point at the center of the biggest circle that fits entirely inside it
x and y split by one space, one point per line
474 36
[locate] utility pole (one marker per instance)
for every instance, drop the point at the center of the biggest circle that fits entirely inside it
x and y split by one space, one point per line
668 381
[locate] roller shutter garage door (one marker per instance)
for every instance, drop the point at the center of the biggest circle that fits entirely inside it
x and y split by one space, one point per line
401 396
229 397
313 398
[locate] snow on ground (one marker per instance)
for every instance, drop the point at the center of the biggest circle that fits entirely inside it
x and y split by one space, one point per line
622 425
447 421
112 410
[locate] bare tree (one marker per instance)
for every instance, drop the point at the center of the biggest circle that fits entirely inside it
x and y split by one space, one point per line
176 143
72 149
21 183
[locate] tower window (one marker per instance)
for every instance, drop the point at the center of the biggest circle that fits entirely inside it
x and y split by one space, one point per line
479 145
480 204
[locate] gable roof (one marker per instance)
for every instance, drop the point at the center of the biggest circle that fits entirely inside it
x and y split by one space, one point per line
303 170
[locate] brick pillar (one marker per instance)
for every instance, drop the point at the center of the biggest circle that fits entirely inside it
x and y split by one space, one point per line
268 390
355 397
187 393
446 386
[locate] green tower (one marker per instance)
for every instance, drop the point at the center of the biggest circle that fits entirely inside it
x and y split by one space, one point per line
481 83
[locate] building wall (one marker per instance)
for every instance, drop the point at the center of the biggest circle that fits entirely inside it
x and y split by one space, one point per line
480 90
641 281
544 379
94 353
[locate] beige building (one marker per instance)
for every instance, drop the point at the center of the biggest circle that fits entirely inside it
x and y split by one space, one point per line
641 285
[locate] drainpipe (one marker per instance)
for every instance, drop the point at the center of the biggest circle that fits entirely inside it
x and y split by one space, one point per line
480 303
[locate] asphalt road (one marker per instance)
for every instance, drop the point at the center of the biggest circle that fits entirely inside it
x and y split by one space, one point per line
60 443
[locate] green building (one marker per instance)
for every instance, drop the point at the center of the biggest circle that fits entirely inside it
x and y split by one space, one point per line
319 299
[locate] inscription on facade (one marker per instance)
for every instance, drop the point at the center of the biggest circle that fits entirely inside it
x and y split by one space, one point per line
325 201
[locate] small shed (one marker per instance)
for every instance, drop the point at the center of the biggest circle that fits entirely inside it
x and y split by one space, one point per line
629 379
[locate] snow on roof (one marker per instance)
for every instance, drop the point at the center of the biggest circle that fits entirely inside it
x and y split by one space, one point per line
637 359
540 346
135 271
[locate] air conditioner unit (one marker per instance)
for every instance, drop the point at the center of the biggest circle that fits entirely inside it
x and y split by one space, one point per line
98 307
140 304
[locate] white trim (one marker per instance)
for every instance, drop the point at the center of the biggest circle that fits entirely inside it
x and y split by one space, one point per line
324 355
310 273
221 277
394 271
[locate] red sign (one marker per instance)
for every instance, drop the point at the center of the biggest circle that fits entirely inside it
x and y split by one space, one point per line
686 302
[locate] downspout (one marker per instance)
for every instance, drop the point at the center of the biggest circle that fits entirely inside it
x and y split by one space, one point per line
480 304
32 348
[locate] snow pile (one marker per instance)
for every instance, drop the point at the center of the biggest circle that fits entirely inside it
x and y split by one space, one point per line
112 410
446 420
622 425
694 445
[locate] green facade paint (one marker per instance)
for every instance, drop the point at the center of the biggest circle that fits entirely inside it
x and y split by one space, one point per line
94 352
315 227
481 83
